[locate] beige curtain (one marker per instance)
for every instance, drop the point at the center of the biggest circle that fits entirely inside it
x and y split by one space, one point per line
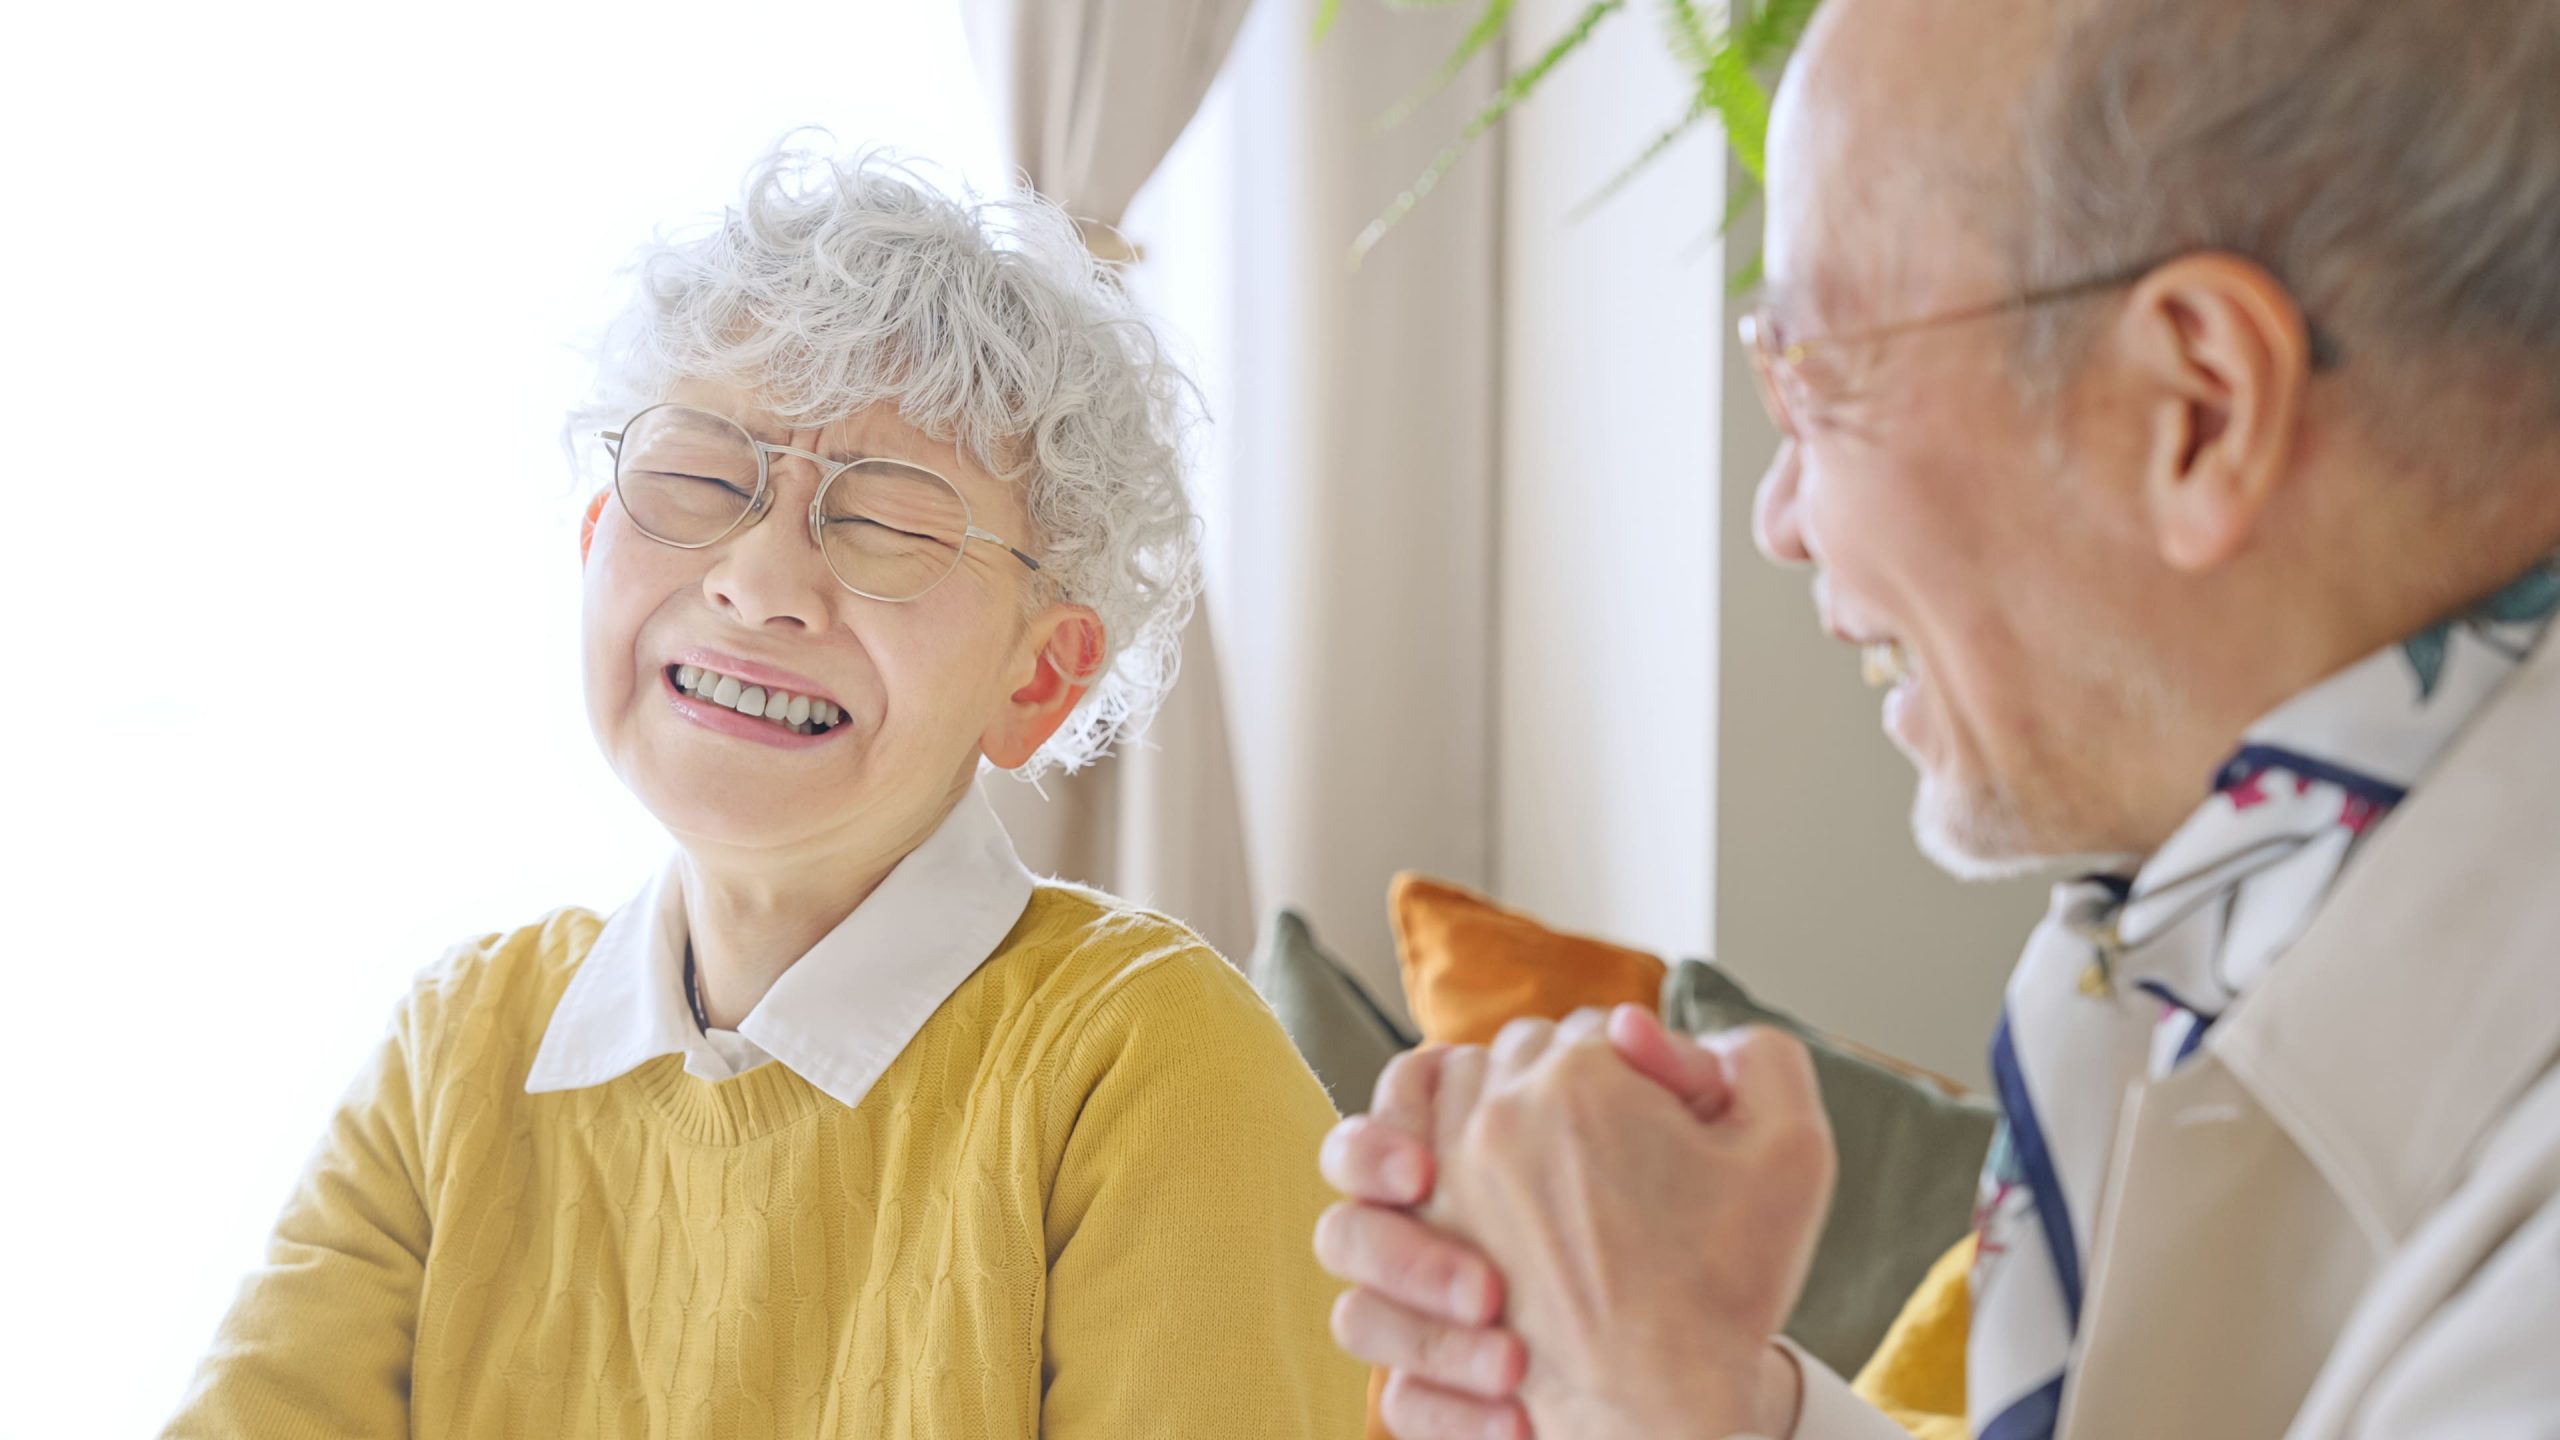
1336 724
1354 555
1090 95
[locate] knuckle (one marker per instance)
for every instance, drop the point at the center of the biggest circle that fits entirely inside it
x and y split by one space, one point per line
1345 1323
1500 1121
1776 1049
1334 1248
1403 1072
1452 1357
1413 1412
1420 1271
1582 1024
1337 1158
1405 1409
1366 1326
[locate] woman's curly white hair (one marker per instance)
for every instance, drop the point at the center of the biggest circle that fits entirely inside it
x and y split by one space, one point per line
839 284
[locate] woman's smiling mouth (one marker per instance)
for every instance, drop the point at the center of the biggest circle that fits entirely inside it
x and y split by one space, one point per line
754 712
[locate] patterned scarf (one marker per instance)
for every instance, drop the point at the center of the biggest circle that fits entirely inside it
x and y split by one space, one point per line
2124 978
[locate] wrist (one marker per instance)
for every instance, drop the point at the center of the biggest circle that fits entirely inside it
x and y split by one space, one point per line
1756 1399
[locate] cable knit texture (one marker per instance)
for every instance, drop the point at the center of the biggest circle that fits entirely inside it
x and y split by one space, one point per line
1077 1205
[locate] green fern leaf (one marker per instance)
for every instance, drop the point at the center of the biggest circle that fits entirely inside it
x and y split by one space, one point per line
1515 89
1489 24
1728 87
1686 29
1774 28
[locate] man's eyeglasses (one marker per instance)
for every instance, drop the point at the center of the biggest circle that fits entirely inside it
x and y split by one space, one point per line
888 530
1779 361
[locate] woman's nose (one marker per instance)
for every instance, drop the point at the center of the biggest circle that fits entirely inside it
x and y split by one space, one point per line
768 573
1775 524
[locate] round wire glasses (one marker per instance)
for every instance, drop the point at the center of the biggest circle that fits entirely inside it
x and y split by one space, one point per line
888 530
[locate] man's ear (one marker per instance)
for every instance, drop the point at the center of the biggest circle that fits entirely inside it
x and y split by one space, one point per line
2224 358
1062 658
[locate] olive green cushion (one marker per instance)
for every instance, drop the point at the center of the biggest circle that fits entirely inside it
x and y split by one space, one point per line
1346 1037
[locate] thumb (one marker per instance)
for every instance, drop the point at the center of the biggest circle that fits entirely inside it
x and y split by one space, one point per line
1694 1075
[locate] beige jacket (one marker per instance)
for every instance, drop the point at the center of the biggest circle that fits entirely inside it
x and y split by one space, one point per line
2341 1220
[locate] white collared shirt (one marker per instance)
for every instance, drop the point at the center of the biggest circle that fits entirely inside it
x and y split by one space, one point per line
840 1016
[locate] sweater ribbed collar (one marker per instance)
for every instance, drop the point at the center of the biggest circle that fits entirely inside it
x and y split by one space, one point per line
842 1014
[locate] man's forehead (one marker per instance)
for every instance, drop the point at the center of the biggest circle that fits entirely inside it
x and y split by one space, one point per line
1893 136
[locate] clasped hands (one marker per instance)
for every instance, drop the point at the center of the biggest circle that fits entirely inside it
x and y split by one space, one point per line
1586 1231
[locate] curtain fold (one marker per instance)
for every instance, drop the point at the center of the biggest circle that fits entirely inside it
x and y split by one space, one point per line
1353 518
1352 557
1090 95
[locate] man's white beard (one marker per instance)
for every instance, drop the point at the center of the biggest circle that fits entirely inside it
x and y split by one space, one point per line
1978 835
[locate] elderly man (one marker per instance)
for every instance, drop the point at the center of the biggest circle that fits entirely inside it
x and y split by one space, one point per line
2171 399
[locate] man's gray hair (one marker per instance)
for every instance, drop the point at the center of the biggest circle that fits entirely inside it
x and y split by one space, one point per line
2396 163
834 285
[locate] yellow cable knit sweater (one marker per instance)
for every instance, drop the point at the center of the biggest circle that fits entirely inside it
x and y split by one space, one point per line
1078 1205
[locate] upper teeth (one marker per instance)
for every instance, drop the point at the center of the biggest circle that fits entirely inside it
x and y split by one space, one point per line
1883 663
798 712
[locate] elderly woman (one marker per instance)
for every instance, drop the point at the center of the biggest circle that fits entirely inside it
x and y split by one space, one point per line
846 1125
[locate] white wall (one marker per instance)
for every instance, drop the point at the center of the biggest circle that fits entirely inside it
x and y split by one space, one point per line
1605 718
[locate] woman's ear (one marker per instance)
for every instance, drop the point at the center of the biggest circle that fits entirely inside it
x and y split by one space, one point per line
2224 356
587 528
1063 649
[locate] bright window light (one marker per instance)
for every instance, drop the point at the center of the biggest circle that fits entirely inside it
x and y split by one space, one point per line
295 304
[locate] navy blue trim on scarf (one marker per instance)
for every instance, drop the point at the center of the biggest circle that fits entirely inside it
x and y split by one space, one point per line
2032 1417
2252 759
2043 1182
2193 1042
2202 1020
2167 996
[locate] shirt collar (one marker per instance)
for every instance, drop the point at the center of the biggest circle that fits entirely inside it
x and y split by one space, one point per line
842 1013
2411 1016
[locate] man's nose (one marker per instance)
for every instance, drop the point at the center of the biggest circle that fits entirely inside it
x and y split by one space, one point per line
1775 525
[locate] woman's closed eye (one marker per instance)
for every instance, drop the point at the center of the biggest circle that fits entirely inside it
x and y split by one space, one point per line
871 527
712 480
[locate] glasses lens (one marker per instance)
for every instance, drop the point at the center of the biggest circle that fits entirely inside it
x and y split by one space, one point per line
1761 341
892 531
686 476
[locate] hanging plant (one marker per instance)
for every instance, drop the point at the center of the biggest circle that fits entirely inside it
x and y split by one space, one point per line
1729 52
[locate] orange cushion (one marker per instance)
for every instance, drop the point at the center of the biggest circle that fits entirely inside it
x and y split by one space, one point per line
1470 964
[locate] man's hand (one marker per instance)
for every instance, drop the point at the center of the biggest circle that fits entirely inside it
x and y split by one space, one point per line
1653 1220
1424 1303
1428 1303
